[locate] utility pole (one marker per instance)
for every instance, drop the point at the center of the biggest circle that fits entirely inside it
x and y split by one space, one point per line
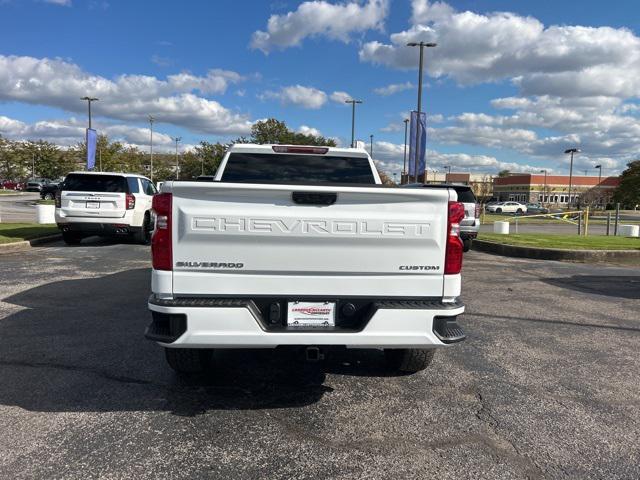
371 148
89 100
418 133
177 139
100 158
405 174
151 120
544 190
448 168
353 120
571 151
33 165
599 167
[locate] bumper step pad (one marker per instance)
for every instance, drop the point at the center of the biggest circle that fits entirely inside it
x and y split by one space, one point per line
447 330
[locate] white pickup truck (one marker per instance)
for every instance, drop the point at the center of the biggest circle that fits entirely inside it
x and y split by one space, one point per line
303 246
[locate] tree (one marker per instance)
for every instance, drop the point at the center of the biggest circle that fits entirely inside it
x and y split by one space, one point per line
504 173
276 131
628 192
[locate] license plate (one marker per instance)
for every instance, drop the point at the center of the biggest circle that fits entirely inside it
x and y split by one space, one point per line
311 314
93 204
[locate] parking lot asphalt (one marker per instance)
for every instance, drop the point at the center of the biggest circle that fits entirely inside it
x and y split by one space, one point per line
546 385
19 207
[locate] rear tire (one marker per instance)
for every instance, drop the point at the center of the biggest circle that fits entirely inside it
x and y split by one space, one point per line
48 196
408 360
519 211
498 210
71 238
466 244
143 236
188 360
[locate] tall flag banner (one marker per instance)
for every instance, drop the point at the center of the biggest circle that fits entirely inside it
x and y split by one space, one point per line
92 144
418 129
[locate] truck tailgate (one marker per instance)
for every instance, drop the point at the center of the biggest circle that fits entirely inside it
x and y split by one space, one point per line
249 240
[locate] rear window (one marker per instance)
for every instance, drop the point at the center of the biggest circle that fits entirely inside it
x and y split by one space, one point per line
465 195
288 168
95 183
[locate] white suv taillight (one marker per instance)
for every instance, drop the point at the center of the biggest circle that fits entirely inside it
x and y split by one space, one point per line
453 254
130 201
161 248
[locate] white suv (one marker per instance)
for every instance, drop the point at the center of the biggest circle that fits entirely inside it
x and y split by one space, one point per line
105 204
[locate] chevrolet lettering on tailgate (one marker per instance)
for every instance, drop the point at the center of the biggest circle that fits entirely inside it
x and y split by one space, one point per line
229 225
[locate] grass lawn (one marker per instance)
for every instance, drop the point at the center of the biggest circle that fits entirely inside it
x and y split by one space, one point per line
17 232
567 242
8 192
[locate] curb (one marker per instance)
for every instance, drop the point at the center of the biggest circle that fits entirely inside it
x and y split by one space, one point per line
587 256
27 244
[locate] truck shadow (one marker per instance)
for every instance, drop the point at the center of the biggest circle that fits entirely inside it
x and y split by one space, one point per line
78 346
623 286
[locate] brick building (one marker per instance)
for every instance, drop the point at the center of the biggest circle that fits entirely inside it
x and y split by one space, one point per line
554 189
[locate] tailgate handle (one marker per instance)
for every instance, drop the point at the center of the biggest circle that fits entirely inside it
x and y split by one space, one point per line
314 198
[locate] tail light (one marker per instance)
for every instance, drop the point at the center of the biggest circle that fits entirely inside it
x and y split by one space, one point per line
477 210
453 254
58 198
161 248
130 201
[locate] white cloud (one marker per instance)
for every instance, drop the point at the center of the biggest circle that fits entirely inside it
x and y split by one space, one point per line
554 60
305 97
309 130
393 88
340 97
71 131
62 3
57 83
320 18
390 157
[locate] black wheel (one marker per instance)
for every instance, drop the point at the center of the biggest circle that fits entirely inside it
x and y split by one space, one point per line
498 210
466 244
143 235
188 360
48 196
71 238
519 211
408 360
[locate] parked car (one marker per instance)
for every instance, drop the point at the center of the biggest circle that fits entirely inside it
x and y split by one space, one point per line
105 204
470 224
11 185
48 191
36 184
534 208
507 207
300 246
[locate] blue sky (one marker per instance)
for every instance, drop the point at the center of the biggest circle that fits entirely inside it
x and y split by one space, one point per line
511 84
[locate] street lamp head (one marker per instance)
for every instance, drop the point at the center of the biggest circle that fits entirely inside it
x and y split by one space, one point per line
406 120
90 99
543 171
422 44
430 44
598 166
412 44
572 150
353 101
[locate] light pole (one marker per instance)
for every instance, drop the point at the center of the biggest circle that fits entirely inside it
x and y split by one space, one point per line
571 151
448 167
544 191
418 134
177 139
395 180
151 120
404 168
89 100
353 120
371 148
599 167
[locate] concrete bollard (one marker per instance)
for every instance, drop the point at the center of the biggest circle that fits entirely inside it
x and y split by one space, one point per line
501 227
629 231
46 214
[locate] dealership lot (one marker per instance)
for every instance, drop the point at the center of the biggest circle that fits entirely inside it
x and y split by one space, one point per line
546 386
